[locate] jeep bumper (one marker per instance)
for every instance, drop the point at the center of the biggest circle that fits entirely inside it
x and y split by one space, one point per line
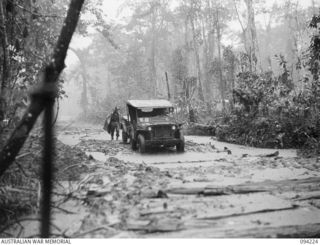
164 142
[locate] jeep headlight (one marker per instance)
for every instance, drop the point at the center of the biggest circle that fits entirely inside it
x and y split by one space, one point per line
149 128
174 127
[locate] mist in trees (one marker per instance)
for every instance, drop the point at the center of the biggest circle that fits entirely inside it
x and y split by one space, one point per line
236 60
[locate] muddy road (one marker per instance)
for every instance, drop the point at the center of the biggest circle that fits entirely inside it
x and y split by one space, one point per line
214 189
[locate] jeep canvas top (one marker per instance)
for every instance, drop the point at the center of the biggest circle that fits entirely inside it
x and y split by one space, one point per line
152 123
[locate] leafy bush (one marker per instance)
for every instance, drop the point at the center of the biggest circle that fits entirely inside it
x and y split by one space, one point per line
270 112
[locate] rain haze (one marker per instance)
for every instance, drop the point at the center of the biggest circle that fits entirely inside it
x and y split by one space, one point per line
160 119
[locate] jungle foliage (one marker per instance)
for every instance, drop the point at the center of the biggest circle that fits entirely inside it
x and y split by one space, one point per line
270 111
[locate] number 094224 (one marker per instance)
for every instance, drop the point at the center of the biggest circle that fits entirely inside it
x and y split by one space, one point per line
308 241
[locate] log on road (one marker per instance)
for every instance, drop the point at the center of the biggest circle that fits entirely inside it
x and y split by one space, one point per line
200 129
308 184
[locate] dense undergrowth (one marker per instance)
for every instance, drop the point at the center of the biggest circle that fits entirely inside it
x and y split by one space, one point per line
20 185
274 112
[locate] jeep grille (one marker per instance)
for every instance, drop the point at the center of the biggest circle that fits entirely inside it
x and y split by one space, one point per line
163 131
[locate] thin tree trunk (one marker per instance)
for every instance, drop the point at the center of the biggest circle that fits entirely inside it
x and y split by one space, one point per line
196 53
84 96
244 32
269 45
222 85
211 44
6 63
168 87
206 58
153 69
47 88
187 47
252 36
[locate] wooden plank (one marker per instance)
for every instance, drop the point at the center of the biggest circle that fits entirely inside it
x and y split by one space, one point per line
185 191
156 225
265 186
308 196
292 231
267 210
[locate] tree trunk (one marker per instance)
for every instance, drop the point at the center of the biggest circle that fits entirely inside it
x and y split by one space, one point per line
153 69
222 83
292 43
168 86
269 45
6 64
187 46
211 48
196 53
252 36
206 53
186 87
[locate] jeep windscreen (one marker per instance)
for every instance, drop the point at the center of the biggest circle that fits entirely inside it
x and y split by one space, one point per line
147 115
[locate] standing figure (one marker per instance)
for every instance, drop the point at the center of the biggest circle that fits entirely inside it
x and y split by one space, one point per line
114 123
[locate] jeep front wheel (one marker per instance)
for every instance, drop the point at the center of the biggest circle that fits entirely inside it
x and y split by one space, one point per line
133 144
141 144
180 145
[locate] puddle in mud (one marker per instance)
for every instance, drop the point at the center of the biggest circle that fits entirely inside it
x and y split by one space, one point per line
216 216
70 140
96 136
296 217
240 149
240 226
170 157
99 156
30 227
201 174
280 174
75 138
187 164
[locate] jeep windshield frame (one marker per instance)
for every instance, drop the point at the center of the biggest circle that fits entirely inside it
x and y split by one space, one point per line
146 109
154 112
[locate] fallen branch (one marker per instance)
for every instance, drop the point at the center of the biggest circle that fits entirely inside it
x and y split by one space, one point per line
22 155
73 165
247 213
308 196
63 210
51 234
197 128
18 222
22 170
185 191
20 231
20 190
57 113
90 231
237 189
254 187
6 234
275 154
